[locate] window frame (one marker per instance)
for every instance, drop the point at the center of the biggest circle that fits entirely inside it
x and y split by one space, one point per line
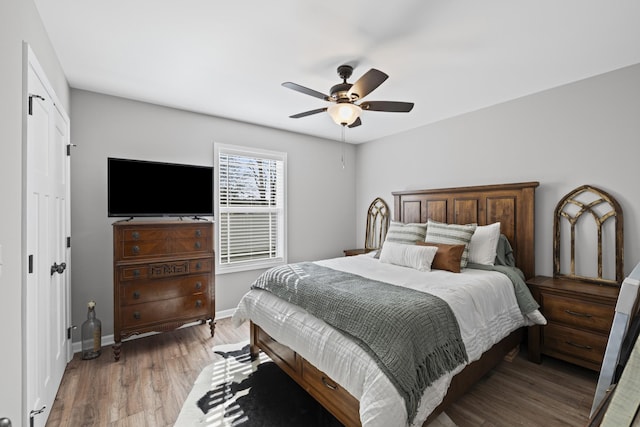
223 268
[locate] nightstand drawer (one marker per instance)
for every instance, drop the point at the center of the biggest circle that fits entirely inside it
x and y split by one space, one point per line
579 313
574 342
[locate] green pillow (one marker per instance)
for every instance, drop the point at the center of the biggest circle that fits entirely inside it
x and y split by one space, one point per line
451 234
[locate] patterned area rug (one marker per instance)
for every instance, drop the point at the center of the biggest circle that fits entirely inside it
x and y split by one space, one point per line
235 391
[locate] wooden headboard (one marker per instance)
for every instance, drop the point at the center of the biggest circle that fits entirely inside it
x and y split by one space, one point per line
513 205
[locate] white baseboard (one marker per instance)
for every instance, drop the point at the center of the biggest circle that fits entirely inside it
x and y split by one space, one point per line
108 340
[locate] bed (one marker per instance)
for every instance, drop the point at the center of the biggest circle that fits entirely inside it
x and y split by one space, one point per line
341 376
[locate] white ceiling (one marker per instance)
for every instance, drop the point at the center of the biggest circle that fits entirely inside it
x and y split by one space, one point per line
229 58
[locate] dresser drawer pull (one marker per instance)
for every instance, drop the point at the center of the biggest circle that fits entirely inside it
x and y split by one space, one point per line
327 384
586 347
136 249
135 235
198 245
198 303
136 273
136 295
575 313
136 315
198 265
198 285
198 233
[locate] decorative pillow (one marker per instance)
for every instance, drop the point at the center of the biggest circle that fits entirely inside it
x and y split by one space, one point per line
413 256
451 234
447 258
483 244
409 233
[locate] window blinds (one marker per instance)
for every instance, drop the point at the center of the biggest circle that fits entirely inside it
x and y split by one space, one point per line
251 208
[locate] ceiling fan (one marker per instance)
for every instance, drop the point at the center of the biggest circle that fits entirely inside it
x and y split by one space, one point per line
344 110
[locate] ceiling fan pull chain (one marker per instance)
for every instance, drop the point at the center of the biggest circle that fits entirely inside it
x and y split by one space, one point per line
343 145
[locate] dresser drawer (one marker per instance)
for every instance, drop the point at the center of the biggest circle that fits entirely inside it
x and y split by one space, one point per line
579 313
150 248
159 270
328 389
164 311
141 291
187 231
574 342
142 242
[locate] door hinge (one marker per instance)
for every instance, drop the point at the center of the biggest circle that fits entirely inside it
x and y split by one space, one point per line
69 242
69 148
70 329
31 96
30 264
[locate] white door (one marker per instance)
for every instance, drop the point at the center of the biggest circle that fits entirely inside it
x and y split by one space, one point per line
47 348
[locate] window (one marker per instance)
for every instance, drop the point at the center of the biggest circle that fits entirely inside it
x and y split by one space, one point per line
251 208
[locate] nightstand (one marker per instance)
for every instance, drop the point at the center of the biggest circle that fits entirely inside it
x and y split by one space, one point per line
579 315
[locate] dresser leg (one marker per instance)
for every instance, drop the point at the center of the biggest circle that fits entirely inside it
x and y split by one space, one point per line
116 351
212 325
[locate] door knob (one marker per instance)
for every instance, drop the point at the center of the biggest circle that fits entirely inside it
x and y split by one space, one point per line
58 268
5 422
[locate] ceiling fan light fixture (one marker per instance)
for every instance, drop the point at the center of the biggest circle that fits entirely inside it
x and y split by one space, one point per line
344 113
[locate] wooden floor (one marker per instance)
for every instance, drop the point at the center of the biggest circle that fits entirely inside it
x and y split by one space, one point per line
155 374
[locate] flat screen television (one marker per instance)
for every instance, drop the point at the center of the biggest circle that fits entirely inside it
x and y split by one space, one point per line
139 188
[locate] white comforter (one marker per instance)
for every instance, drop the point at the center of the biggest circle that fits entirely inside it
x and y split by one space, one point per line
483 301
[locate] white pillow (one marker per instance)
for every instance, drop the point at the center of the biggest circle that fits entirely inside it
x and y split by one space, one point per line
413 256
484 244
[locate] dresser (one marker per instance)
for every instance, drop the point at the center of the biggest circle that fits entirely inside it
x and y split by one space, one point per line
579 316
163 276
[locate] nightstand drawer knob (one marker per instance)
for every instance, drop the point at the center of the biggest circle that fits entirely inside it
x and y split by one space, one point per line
135 235
575 313
198 233
198 285
136 315
136 249
136 295
198 245
198 303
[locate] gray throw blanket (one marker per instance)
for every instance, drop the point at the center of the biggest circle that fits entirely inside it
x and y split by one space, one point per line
413 336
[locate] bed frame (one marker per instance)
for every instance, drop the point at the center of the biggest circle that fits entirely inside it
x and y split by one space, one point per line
510 204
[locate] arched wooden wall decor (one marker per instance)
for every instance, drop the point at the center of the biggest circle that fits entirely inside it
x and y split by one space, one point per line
612 212
377 224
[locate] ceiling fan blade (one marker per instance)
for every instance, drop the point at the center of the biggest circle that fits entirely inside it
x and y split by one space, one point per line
305 90
358 122
389 106
367 83
308 113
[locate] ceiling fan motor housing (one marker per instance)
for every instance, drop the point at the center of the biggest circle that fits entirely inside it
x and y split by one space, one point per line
340 93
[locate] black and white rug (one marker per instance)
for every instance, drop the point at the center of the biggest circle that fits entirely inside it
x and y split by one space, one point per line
235 391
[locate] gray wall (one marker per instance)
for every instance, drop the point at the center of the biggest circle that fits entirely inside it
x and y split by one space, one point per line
321 195
19 21
586 132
